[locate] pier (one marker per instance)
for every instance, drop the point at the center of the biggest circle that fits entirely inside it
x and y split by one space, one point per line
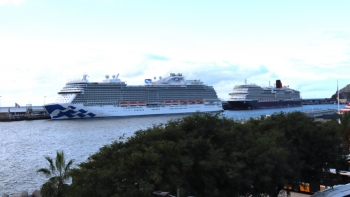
317 101
23 113
322 113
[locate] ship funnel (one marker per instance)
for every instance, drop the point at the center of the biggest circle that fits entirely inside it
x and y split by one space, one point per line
278 84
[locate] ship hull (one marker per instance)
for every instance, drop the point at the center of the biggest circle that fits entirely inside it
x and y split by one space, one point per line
247 105
78 111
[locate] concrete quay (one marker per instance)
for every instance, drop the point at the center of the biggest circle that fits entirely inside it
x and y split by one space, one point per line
23 113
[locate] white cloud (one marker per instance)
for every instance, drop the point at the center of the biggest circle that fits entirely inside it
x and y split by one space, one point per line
39 62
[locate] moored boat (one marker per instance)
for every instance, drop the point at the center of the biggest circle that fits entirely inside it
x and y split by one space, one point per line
346 108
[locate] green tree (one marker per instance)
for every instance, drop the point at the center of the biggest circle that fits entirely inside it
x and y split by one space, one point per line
344 130
264 159
59 172
211 155
313 147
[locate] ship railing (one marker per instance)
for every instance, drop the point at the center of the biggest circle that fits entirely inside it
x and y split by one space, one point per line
212 101
100 103
71 92
239 99
216 99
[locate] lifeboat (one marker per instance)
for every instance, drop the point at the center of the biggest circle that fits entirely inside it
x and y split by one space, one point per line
199 101
175 102
191 101
168 102
183 102
124 103
142 103
133 103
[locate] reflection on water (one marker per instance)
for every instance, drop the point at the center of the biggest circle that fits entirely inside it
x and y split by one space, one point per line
24 144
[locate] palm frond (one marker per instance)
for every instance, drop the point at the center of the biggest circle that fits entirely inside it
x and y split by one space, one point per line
60 162
68 165
45 171
51 166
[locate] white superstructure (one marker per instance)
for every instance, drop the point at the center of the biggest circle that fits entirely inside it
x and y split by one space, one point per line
113 97
252 96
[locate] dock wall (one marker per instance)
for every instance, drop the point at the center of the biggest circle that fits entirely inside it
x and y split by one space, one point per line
16 114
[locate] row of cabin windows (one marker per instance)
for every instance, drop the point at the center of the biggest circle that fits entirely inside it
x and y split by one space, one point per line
142 98
154 95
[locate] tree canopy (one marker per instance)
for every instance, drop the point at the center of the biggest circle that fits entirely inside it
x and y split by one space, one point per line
211 155
344 130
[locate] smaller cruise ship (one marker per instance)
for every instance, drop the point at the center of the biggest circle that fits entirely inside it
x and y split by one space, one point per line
251 96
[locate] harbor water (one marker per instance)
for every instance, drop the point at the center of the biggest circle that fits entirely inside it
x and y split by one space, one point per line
23 144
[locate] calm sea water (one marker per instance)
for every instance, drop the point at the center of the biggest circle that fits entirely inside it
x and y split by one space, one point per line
24 144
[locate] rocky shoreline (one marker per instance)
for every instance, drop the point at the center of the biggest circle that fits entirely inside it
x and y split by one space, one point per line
36 193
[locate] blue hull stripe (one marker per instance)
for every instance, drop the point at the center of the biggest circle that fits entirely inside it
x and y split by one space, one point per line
69 112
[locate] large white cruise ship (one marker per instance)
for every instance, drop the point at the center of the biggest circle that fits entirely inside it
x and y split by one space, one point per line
113 97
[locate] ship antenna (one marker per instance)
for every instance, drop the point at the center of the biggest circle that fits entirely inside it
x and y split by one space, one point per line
245 81
338 95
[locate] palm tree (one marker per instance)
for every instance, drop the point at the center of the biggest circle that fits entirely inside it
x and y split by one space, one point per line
59 172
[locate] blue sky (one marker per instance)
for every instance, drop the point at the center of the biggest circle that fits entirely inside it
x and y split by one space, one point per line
44 43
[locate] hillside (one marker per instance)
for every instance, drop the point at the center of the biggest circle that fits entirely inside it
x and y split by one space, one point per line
344 93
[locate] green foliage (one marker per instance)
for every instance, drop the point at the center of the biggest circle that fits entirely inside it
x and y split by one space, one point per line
344 130
210 155
58 172
314 147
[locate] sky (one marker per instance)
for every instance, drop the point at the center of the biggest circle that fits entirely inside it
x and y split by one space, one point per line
46 43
